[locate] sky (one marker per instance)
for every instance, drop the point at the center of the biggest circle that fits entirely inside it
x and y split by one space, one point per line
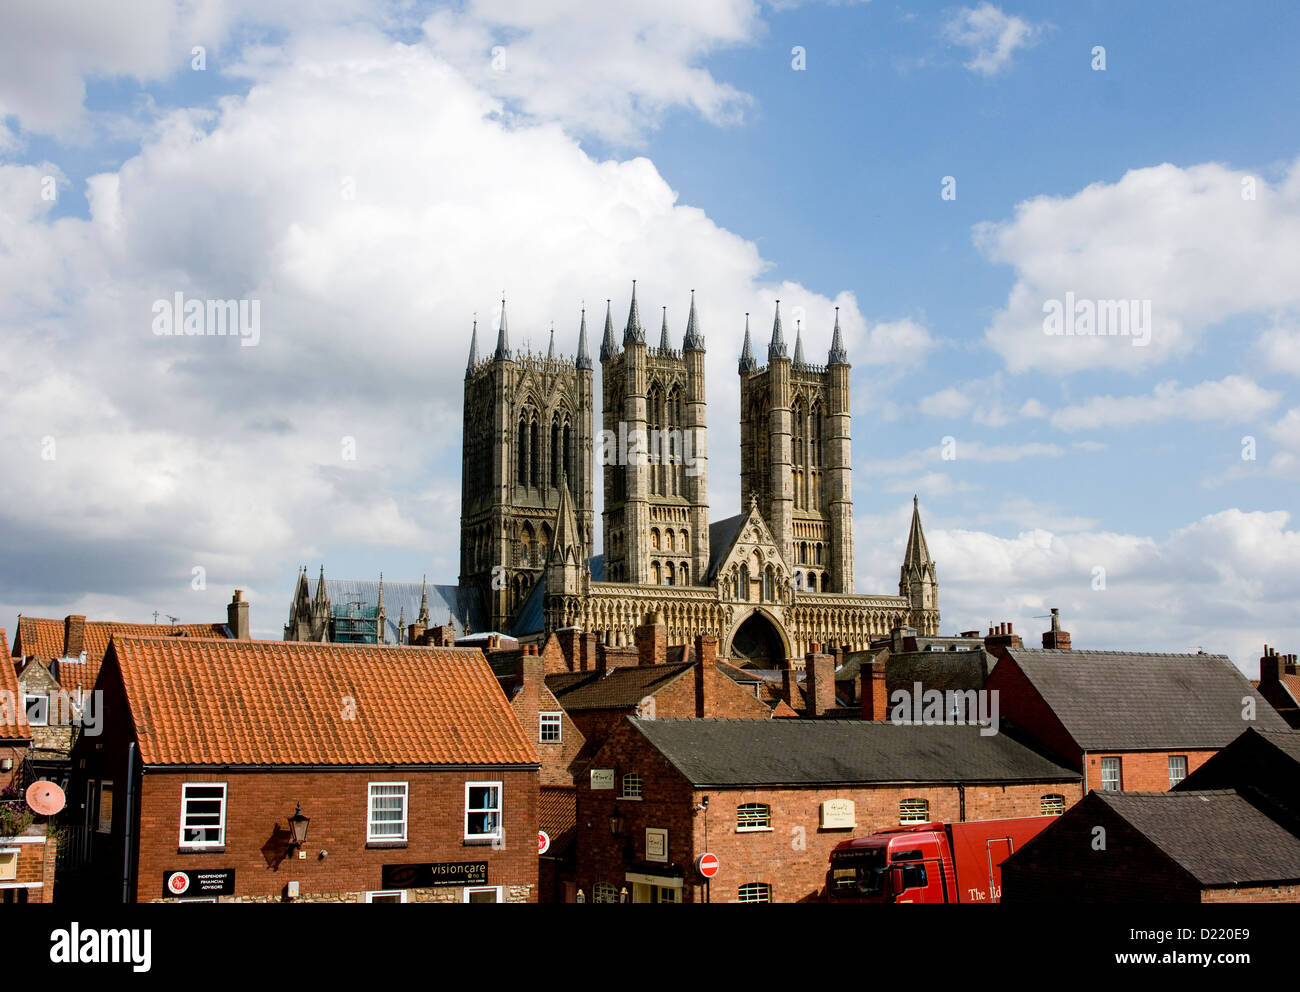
967 183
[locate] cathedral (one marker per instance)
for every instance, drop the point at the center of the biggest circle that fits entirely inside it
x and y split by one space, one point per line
767 582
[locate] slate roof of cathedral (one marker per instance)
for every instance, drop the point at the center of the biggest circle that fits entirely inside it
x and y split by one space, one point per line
230 702
722 535
1129 700
402 599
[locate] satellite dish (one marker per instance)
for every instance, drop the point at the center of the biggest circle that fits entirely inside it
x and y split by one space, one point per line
45 798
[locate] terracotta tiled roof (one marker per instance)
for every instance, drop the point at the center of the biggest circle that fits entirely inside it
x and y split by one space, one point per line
557 814
205 701
44 638
1292 683
9 691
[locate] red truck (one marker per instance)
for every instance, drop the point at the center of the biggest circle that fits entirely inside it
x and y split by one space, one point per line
929 862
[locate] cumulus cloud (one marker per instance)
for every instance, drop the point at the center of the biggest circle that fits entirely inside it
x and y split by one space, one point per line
1144 239
1229 400
1220 583
992 36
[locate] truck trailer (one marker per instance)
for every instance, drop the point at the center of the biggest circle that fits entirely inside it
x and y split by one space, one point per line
929 862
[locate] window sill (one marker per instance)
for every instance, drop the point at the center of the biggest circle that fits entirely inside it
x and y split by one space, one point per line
214 849
629 799
480 841
754 830
384 844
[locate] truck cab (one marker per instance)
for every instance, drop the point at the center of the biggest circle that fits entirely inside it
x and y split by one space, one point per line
900 864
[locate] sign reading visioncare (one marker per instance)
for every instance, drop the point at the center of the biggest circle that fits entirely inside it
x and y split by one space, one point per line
422 876
189 884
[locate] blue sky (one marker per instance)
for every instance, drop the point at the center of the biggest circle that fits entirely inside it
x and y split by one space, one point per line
561 154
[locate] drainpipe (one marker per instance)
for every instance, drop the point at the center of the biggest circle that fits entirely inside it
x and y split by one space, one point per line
961 798
129 806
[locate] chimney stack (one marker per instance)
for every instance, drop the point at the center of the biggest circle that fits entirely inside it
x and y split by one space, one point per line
237 617
1272 666
1000 637
819 681
875 699
1056 638
652 640
74 636
706 674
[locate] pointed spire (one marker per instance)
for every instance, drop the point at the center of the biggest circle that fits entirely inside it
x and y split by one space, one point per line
917 553
798 343
584 360
694 339
503 336
473 350
381 592
550 352
776 349
565 545
608 347
663 333
633 333
747 363
423 619
320 587
838 355
401 624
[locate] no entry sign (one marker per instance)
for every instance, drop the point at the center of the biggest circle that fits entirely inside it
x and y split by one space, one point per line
707 864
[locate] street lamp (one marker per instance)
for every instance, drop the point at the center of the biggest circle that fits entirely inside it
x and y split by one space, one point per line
298 828
615 823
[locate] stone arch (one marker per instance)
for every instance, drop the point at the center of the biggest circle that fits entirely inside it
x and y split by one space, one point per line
769 620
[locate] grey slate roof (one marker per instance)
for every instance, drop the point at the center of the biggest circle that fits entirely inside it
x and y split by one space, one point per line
619 688
404 598
1119 700
737 753
722 535
1218 837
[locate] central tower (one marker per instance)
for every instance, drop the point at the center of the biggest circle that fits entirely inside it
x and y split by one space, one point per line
654 454
795 456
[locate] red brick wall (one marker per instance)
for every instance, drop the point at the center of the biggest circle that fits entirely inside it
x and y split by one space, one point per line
1143 771
257 803
1259 893
17 753
35 864
792 857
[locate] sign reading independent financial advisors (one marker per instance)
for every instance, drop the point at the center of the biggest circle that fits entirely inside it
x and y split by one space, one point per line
422 876
191 884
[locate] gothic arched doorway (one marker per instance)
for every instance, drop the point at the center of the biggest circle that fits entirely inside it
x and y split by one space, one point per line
758 644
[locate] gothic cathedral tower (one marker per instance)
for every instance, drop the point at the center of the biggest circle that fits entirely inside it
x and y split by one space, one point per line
655 459
795 456
528 426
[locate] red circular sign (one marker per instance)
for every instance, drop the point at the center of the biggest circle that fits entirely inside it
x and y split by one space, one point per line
543 842
707 865
179 883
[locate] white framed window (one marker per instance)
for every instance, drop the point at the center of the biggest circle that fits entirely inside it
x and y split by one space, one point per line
482 893
551 727
386 819
754 816
8 864
604 892
482 810
914 811
755 892
37 705
387 895
1177 769
1111 779
1052 805
203 814
631 786
104 820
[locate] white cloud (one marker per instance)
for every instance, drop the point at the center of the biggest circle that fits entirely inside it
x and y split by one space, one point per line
1183 239
1222 583
901 342
992 35
950 402
1229 400
961 451
1279 349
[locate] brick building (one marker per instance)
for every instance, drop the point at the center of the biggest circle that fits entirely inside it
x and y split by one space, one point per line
1279 683
1127 720
1185 846
15 734
771 799
417 779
